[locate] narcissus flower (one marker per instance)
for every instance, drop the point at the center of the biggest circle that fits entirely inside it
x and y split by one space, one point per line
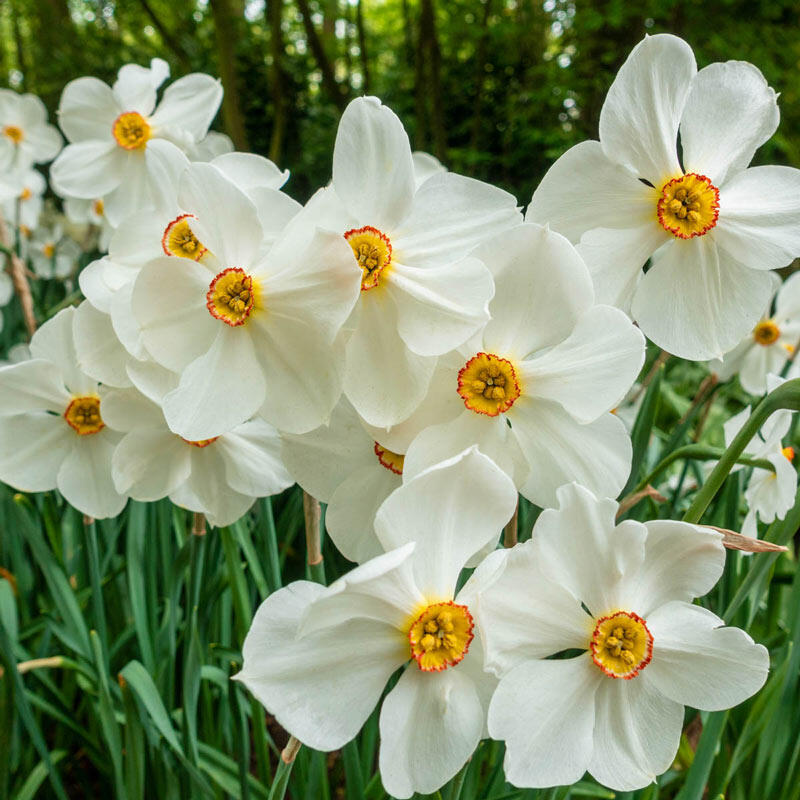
117 133
220 477
52 431
534 389
623 595
319 658
766 349
249 332
421 293
713 227
24 205
52 254
769 493
343 466
25 136
90 212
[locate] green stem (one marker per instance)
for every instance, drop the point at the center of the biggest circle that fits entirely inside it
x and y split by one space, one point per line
278 790
273 556
786 396
699 452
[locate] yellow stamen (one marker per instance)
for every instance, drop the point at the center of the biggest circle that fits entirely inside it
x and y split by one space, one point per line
25 194
440 636
488 384
99 207
373 252
179 239
788 452
766 332
131 130
232 296
621 645
49 250
688 206
392 461
83 415
14 132
200 442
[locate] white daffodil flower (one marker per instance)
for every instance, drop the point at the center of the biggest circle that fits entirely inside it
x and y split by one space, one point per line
25 136
421 293
249 332
120 139
768 346
220 477
52 432
24 205
623 594
769 494
51 253
535 388
163 230
343 466
90 212
713 227
319 658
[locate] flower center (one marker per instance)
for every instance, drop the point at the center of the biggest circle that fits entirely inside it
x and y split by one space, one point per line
621 645
231 296
788 452
83 415
440 636
14 132
200 442
179 239
373 251
766 332
131 130
688 206
392 461
488 384
26 194
98 207
49 250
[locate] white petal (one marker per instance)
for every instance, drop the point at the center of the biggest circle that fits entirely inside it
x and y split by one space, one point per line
384 380
642 110
221 504
450 216
190 104
85 476
586 189
54 341
544 711
252 458
128 409
759 362
696 302
698 662
522 614
88 169
228 222
150 463
430 724
135 88
100 353
681 562
169 301
439 442
32 386
636 734
133 190
541 289
323 686
580 547
247 170
87 110
452 511
203 405
343 442
350 515
730 112
32 448
772 494
560 450
759 217
439 308
372 169
591 371
615 259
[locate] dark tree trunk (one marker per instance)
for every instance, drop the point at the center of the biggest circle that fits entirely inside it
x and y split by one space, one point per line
277 79
480 74
362 46
325 65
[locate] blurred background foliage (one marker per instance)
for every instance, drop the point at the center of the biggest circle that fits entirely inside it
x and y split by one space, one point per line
497 89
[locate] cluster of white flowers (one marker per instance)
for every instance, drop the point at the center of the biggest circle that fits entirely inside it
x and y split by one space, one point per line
415 353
